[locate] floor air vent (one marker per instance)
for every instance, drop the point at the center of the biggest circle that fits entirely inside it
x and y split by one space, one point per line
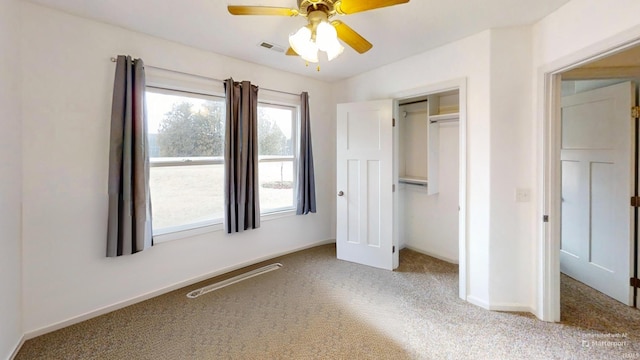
236 279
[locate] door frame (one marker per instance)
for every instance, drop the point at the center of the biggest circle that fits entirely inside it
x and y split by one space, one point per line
549 81
459 84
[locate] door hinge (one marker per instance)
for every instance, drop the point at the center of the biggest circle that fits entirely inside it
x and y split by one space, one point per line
634 282
393 188
393 249
635 201
635 112
545 218
393 122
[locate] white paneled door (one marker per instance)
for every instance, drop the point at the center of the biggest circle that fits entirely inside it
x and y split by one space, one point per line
364 232
597 167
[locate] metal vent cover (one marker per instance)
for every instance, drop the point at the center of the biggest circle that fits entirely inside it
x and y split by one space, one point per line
271 46
236 279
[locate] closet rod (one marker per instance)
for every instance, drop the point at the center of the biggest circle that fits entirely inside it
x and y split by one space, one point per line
414 102
113 59
405 113
443 120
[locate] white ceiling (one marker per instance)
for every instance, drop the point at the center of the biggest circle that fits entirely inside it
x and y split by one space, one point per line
395 32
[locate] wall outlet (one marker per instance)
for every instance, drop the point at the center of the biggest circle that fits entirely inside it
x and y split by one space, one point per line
523 195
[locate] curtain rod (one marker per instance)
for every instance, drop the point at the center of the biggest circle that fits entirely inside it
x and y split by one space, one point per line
208 78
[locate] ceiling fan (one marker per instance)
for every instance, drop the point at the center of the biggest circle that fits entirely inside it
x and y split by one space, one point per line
320 33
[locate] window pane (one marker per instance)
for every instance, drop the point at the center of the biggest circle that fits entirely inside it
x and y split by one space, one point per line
185 127
276 185
276 140
181 126
182 195
275 125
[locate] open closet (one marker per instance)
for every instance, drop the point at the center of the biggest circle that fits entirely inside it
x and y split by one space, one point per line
400 177
428 174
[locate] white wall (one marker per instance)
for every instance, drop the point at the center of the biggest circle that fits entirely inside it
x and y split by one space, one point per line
467 58
512 223
10 181
67 84
582 25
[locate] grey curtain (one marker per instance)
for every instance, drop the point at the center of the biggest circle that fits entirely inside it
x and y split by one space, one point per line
306 194
241 187
129 224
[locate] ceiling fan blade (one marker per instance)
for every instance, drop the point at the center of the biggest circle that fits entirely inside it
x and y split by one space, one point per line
351 37
261 10
346 7
291 52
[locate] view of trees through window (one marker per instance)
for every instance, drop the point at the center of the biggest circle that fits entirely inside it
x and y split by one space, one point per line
185 132
186 140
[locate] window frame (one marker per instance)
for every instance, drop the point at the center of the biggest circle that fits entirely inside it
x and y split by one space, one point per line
202 227
184 161
295 125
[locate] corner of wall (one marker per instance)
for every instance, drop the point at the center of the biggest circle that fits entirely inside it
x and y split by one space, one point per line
17 348
11 302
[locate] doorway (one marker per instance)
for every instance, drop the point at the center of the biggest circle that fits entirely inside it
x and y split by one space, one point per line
446 114
618 66
427 135
596 169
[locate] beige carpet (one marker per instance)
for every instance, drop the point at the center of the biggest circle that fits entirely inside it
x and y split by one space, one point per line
317 307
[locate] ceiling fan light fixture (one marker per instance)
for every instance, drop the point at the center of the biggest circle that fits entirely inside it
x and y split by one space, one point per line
334 50
309 39
327 40
325 35
302 44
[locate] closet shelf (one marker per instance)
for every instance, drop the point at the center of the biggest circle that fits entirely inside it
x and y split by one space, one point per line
444 117
413 180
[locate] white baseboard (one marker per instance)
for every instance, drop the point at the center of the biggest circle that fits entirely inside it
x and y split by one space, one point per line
17 348
508 307
152 294
478 302
428 253
511 307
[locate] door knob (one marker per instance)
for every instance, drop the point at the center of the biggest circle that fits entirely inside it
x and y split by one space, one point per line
340 193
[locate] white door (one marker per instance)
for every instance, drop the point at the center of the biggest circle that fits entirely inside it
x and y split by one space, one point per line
596 157
364 232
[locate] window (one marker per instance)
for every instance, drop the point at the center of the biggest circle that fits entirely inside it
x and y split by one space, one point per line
276 148
186 145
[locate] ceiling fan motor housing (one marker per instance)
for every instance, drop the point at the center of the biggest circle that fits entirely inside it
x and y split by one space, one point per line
307 7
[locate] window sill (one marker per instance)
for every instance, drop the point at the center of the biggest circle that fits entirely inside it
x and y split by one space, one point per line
277 214
187 231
